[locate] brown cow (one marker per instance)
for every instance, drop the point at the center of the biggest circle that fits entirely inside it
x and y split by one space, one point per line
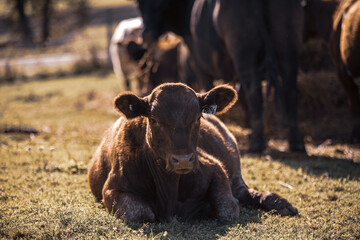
163 64
338 22
168 158
345 50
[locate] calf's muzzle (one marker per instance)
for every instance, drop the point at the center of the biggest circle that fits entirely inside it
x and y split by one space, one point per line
184 163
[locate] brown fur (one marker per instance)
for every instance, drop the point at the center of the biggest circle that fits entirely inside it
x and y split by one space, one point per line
165 159
345 49
343 33
162 63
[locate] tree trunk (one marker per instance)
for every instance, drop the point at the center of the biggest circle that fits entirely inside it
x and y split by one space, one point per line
46 21
24 22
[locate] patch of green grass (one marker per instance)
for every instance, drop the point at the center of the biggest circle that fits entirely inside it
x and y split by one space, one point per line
44 193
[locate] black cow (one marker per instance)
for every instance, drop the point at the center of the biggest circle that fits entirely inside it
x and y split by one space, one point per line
237 39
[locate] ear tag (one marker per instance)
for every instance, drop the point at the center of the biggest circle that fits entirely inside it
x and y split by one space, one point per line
210 109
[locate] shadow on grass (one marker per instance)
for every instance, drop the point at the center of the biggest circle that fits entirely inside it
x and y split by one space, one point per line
329 167
200 228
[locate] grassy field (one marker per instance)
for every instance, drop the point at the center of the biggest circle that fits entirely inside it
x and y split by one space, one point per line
44 193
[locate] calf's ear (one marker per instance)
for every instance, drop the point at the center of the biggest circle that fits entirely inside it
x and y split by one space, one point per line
218 100
131 105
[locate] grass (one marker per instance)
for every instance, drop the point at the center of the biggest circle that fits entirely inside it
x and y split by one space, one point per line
44 193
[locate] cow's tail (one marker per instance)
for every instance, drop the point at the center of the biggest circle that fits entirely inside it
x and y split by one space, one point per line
272 68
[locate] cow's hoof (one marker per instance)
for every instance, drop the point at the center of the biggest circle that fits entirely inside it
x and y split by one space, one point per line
256 147
355 137
257 150
257 143
297 146
272 201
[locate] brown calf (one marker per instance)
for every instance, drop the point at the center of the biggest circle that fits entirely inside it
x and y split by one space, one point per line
168 158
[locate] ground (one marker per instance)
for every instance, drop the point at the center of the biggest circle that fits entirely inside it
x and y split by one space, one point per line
44 193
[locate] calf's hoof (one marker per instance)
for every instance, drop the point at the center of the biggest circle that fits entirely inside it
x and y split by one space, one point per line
272 201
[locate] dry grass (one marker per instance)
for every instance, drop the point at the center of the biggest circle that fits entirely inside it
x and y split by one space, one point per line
44 193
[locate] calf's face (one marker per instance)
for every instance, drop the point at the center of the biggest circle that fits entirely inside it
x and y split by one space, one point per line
173 113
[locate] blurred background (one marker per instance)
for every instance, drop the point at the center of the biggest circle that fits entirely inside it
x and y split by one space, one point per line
43 38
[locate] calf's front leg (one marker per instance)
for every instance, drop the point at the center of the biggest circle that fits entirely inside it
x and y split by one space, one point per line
222 201
125 205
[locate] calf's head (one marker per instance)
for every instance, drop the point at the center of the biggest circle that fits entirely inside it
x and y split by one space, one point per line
174 112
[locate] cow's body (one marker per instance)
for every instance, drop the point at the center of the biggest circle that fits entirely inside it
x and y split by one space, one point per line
164 161
344 46
234 39
126 49
164 64
338 23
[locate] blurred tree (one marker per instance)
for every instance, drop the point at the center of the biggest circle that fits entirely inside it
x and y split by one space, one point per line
82 12
43 10
24 23
45 21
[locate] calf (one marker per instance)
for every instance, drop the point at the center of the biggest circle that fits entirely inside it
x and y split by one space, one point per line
170 156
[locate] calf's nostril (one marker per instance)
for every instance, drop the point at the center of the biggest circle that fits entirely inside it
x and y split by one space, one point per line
182 158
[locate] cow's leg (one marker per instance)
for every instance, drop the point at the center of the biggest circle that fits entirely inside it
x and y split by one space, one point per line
118 61
286 32
244 46
253 96
267 200
125 74
244 105
354 99
125 205
125 67
222 200
245 67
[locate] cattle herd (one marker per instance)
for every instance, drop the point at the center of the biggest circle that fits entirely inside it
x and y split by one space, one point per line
169 155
